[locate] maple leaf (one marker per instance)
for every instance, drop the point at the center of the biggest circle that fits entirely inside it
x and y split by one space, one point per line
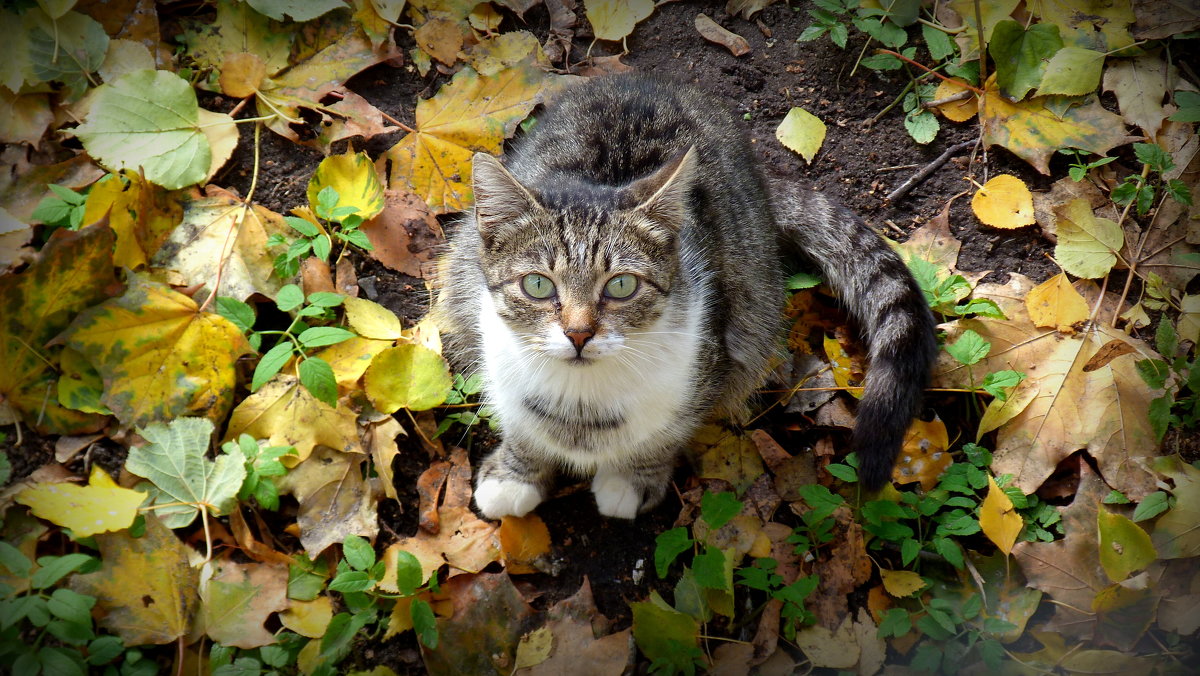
470 113
222 233
573 623
286 414
489 617
100 507
1104 410
237 600
335 500
145 585
72 272
160 357
139 212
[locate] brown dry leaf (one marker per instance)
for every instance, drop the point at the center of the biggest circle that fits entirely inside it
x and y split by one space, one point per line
721 453
524 544
24 118
836 648
380 440
405 234
221 232
252 546
23 187
464 541
481 637
440 38
581 646
1139 85
335 500
1064 191
1056 304
615 19
923 456
846 568
286 414
237 600
1069 570
603 65
1004 202
1103 411
714 32
934 242
429 494
145 585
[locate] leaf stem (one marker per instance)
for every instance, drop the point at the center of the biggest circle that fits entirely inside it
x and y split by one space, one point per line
927 69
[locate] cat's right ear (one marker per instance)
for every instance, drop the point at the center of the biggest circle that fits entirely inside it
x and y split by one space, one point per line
500 200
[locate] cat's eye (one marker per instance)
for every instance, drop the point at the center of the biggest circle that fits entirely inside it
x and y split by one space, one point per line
537 286
621 286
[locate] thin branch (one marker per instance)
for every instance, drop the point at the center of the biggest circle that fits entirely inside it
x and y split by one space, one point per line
929 70
924 173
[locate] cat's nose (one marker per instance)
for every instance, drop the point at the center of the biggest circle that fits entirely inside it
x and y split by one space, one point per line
579 337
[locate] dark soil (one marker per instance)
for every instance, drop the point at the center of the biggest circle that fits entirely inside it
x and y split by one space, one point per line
858 164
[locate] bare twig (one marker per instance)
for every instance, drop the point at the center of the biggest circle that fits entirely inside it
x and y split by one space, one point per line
959 96
924 173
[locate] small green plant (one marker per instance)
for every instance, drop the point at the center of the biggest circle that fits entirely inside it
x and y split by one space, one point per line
945 293
262 462
63 209
465 390
957 629
316 239
269 660
1140 189
298 339
1079 168
1177 376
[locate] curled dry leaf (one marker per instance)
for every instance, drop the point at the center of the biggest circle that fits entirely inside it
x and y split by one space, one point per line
335 500
714 32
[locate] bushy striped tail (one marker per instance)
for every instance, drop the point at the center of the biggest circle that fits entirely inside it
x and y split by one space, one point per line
876 288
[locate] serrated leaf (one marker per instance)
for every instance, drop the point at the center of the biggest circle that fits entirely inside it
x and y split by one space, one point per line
407 376
316 375
668 545
969 348
322 336
159 356
148 120
801 132
470 113
354 179
101 506
174 461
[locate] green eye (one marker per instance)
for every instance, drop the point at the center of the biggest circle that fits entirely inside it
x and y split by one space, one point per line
621 286
537 286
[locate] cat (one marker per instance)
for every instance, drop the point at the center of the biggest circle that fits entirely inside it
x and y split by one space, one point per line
620 281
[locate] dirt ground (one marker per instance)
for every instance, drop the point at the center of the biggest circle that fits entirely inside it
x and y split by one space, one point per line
858 164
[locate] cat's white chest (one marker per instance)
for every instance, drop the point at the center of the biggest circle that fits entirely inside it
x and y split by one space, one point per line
622 405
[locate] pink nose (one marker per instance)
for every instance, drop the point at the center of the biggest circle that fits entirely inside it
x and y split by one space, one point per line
579 337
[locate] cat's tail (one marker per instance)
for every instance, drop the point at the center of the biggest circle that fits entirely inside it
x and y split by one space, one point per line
876 288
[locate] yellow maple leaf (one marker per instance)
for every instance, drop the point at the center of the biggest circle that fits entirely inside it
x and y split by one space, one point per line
998 519
147 589
1056 304
1004 202
286 414
99 507
160 357
140 213
470 113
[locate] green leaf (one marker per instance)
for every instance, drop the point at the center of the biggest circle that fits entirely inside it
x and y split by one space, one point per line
1160 414
316 375
424 623
709 568
104 650
16 562
984 307
657 626
54 568
306 579
358 552
969 349
1116 497
174 461
322 246
351 581
325 299
1020 56
302 225
61 661
71 606
997 383
65 50
938 42
321 336
801 132
148 120
271 362
844 472
1151 506
718 508
802 280
241 314
1072 71
409 574
1154 155
1189 107
407 376
1154 372
909 549
922 125
667 547
1124 547
896 622
289 298
1166 340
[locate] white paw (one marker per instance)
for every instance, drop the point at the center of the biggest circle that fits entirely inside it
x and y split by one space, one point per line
615 496
505 497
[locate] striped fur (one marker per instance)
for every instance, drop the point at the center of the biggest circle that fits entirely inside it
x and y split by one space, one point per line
643 176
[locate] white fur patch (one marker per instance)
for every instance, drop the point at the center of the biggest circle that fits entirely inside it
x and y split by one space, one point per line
504 497
615 496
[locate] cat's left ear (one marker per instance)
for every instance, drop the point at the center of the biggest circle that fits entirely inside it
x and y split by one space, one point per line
500 199
663 195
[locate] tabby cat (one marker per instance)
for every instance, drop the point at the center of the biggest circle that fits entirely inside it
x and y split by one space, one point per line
620 281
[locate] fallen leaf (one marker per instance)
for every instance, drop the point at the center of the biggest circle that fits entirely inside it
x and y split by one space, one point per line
901 583
145 585
581 644
1004 202
1072 71
1087 244
405 234
470 113
353 177
286 414
1056 304
1103 26
960 110
251 546
496 53
222 237
335 500
726 454
73 271
296 11
1139 85
746 8
924 453
1124 547
100 507
802 132
173 459
237 600
830 648
308 618
66 48
1006 594
1175 534
524 542
615 19
429 495
714 32
380 439
23 187
24 118
241 74
490 616
1020 54
350 358
140 213
533 649
660 630
440 38
160 357
407 376
998 519
237 28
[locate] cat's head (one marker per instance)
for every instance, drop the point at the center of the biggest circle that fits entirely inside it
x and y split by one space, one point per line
579 272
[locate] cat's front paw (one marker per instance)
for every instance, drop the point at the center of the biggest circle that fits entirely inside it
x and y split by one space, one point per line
505 497
616 496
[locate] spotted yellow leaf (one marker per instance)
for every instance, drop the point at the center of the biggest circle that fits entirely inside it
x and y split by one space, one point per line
289 415
901 583
802 132
99 507
353 177
139 212
1004 202
1056 304
160 357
